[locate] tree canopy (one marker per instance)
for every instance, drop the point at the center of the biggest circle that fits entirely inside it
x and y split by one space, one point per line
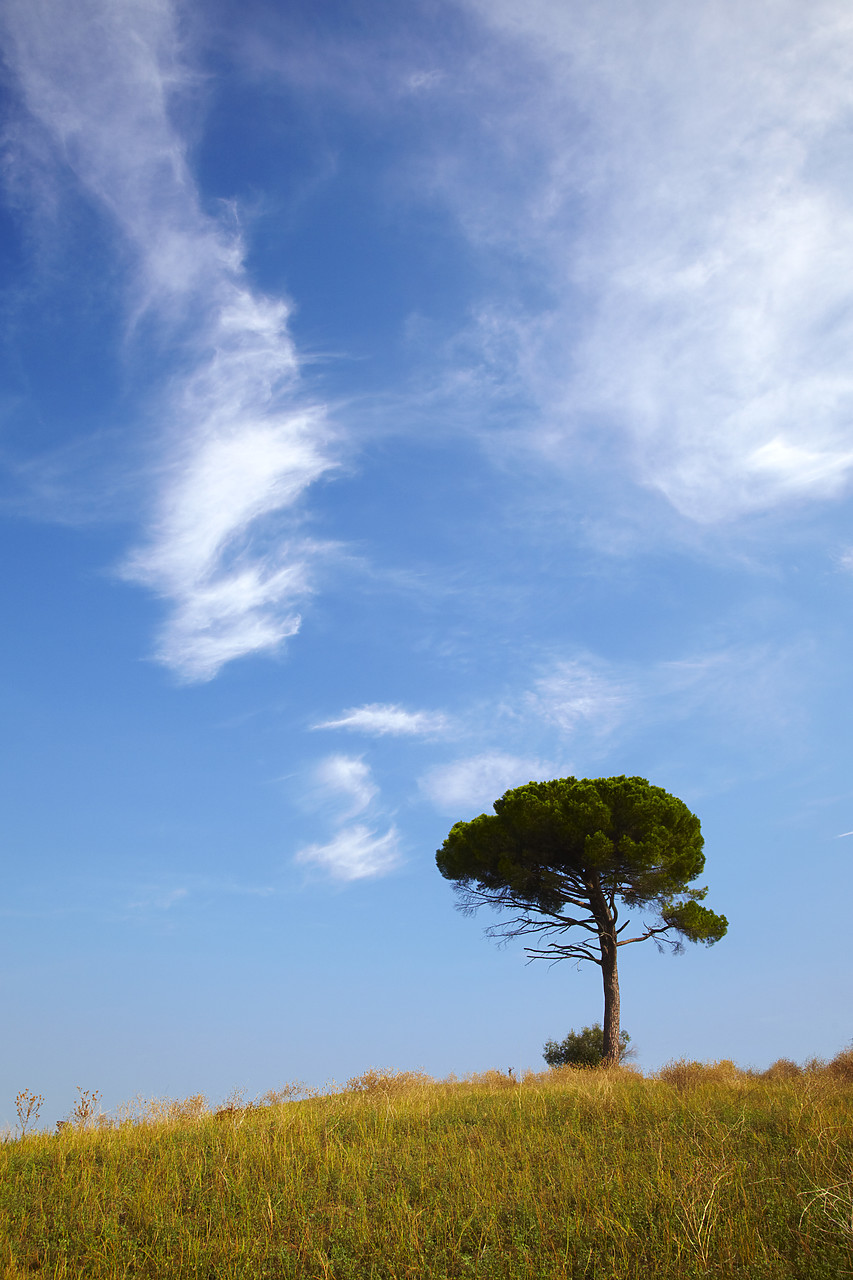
568 854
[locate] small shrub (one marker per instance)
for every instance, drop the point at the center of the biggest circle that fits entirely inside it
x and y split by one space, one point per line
85 1109
782 1069
28 1105
285 1093
492 1079
384 1080
841 1066
583 1048
684 1074
176 1110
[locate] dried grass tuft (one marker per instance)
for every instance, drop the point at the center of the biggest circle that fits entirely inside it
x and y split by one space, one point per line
682 1073
782 1069
385 1081
841 1066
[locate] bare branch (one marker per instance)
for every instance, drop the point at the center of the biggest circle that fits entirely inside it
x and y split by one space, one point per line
555 953
525 924
650 933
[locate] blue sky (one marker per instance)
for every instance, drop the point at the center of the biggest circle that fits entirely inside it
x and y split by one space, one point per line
398 404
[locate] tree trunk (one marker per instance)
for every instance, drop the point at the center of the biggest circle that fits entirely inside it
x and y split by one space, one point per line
610 974
605 918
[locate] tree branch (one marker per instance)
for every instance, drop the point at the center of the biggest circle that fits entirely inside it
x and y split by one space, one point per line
555 953
542 920
523 925
650 933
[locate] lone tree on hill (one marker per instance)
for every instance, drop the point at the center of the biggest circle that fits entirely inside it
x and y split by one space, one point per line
559 855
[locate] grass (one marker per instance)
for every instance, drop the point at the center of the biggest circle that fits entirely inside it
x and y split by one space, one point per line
701 1171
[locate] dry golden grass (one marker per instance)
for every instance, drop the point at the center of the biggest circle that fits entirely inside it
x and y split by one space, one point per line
702 1170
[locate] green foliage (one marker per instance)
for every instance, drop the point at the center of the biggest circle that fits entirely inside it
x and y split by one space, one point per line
693 922
583 1048
546 840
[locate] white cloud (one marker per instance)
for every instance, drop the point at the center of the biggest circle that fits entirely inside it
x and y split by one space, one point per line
476 782
347 776
160 900
595 704
686 193
576 693
755 687
230 598
383 718
238 449
418 81
746 689
355 853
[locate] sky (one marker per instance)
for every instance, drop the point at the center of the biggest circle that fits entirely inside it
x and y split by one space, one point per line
398 404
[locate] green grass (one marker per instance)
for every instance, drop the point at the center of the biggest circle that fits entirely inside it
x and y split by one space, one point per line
703 1171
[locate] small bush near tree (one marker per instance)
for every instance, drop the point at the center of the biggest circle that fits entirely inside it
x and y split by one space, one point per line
583 1048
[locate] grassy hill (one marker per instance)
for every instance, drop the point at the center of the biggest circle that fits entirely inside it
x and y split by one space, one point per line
605 1175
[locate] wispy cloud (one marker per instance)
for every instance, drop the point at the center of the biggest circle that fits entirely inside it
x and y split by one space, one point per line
474 782
692 210
229 596
159 899
598 708
154 897
355 853
348 777
755 688
344 786
379 719
750 686
239 448
579 693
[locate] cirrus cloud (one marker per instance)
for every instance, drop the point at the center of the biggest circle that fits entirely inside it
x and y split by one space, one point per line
474 782
380 718
691 209
355 853
238 448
